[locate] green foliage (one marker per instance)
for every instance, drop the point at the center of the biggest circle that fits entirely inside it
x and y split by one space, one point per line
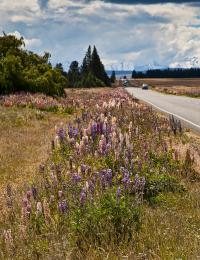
161 183
73 74
89 80
107 222
91 73
21 70
98 69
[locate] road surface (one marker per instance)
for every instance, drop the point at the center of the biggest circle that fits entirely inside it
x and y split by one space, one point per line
185 108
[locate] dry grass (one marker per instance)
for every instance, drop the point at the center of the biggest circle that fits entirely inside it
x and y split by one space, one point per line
75 93
25 139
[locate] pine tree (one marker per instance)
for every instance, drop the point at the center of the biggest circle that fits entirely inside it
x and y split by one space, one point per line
113 77
73 74
98 69
86 65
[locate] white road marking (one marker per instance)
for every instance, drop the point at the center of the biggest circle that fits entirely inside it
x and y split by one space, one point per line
165 111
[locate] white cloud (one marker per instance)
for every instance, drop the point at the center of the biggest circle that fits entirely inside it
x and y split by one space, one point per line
29 43
128 34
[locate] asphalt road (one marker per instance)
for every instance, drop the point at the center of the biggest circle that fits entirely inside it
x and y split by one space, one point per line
185 108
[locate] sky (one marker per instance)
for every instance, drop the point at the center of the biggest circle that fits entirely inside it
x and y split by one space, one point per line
128 34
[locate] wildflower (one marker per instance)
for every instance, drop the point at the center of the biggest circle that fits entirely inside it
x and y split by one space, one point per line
61 132
54 179
34 192
83 197
143 182
41 168
28 209
25 202
76 178
8 239
46 210
38 208
62 205
83 168
28 194
91 187
70 131
118 194
52 199
137 181
60 193
22 232
109 177
57 141
126 180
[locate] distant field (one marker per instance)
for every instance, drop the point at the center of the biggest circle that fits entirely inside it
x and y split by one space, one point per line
170 82
181 87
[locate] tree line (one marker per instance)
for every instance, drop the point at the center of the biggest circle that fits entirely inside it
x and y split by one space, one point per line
168 73
23 70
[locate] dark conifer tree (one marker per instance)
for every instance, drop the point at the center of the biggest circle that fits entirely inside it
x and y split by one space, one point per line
73 74
59 67
98 69
86 65
113 77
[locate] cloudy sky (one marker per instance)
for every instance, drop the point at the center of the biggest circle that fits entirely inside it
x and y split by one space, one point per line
126 33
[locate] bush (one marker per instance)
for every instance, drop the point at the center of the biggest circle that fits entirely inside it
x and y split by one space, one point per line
107 222
157 184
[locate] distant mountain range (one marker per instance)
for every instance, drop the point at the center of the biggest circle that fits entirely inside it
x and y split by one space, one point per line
187 63
121 73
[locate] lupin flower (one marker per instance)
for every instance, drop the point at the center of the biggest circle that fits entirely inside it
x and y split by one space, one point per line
61 132
126 180
76 178
28 194
52 199
8 239
41 168
137 181
62 205
25 202
60 193
46 210
70 131
93 131
57 141
54 179
34 192
118 194
38 208
91 187
109 177
83 197
83 168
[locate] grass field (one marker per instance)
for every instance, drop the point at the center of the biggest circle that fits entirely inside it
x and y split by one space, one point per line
136 198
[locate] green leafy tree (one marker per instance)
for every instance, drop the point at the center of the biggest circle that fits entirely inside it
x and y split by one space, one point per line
9 44
22 70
